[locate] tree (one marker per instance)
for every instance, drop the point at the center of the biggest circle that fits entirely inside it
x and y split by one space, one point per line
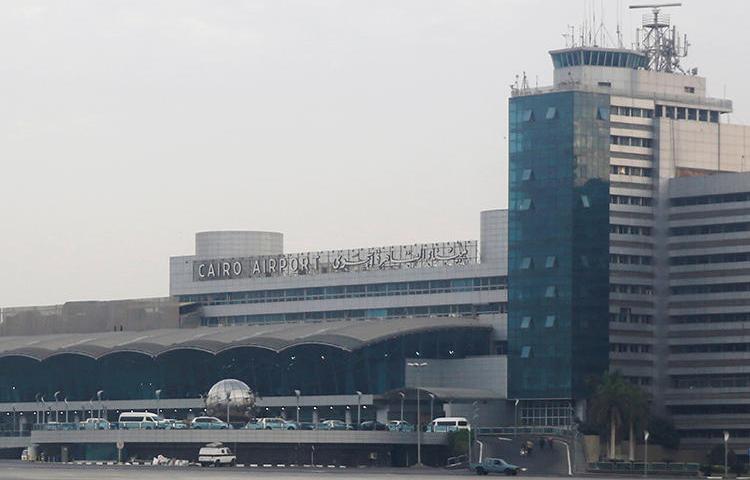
664 433
609 405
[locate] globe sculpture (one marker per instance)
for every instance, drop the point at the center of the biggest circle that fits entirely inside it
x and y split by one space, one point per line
230 397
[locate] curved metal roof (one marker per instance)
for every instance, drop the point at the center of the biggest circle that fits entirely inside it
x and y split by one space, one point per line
347 335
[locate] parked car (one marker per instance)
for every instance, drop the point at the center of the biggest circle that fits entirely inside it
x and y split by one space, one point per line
209 423
334 425
173 424
306 426
494 465
400 426
216 454
373 425
275 423
141 420
94 424
252 425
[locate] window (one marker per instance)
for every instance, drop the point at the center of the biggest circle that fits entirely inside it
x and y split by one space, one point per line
528 115
585 201
549 322
526 322
550 292
526 263
550 262
527 175
605 84
526 352
602 113
689 89
525 204
551 113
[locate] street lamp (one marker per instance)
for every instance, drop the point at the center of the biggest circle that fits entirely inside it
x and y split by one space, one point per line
158 397
432 406
229 396
67 409
403 395
515 413
36 411
44 410
359 407
99 397
13 408
726 454
57 410
646 434
297 393
418 366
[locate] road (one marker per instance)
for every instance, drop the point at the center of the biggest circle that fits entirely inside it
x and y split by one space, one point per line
543 461
14 470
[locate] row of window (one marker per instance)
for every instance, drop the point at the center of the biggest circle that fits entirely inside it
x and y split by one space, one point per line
710 348
630 230
351 291
712 288
624 316
710 199
622 259
630 347
724 380
527 263
627 170
714 258
716 433
425 311
631 289
631 141
630 200
710 229
716 409
528 322
645 381
631 111
711 318
684 113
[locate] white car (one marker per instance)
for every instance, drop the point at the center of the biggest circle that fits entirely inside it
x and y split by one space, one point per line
216 454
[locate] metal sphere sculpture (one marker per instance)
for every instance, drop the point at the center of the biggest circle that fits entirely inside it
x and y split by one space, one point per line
234 393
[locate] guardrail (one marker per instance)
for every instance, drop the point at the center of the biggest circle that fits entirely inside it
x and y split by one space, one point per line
557 431
640 467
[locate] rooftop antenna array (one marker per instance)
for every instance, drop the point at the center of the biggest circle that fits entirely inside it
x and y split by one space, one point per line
659 40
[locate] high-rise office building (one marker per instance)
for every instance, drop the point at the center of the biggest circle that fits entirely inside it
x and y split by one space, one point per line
619 258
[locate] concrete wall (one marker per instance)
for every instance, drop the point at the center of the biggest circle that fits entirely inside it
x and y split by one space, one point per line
89 317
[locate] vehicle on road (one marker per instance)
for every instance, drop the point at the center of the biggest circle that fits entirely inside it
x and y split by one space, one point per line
334 425
94 424
276 423
140 420
253 424
216 454
373 425
494 465
400 426
449 424
173 424
209 423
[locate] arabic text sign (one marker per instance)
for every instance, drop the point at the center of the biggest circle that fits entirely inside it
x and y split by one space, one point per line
363 259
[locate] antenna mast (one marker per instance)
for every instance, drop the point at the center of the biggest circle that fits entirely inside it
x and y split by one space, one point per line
660 41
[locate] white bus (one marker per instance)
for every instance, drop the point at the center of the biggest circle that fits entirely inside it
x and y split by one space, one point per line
140 420
449 424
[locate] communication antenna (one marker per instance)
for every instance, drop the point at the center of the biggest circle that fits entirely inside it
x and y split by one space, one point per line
659 40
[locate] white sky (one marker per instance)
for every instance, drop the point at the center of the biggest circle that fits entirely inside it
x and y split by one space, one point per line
126 126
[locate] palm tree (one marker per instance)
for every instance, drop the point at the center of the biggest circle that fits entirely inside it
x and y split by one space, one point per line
609 405
636 414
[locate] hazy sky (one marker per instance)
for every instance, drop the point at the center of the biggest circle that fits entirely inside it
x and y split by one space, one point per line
127 126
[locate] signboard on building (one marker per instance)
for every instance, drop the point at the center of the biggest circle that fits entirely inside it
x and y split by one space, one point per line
357 260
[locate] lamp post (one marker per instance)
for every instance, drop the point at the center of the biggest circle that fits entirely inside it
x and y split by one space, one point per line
229 396
646 434
726 453
297 393
57 409
99 397
158 398
13 408
36 412
418 366
67 409
515 414
44 410
402 395
359 408
432 406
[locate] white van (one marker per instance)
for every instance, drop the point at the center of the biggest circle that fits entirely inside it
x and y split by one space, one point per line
216 454
449 424
140 420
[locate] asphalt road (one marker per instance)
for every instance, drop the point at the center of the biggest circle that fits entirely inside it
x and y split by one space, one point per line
15 470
